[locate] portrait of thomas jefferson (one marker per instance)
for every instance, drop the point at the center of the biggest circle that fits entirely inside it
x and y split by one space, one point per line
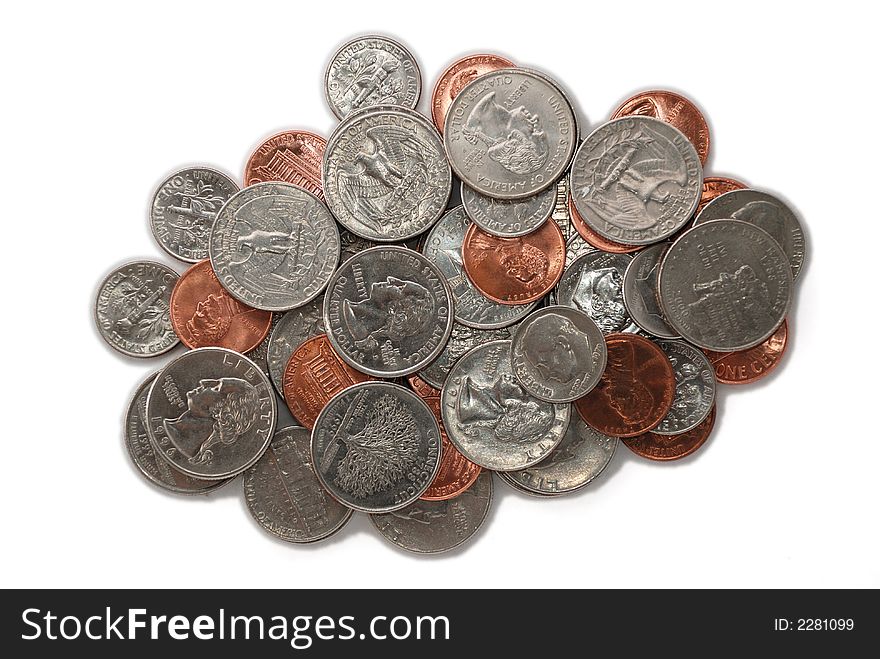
514 137
768 217
218 412
395 310
556 348
599 294
212 318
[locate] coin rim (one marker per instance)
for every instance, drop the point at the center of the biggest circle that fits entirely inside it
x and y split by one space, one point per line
514 234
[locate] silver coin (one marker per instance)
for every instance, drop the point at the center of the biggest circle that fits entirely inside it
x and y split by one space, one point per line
368 71
431 527
350 244
376 447
274 246
491 419
510 133
694 388
509 480
148 462
260 354
593 284
388 311
472 308
636 180
184 208
725 285
580 457
132 309
284 495
766 212
462 339
558 354
508 217
294 327
386 177
211 413
640 292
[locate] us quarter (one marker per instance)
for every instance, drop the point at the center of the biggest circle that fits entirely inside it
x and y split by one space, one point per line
640 292
376 447
289 332
462 339
694 388
508 217
593 284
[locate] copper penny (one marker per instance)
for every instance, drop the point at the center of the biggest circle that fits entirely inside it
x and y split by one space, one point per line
715 186
672 447
675 110
454 79
294 156
594 239
514 270
204 314
745 366
314 374
635 391
456 473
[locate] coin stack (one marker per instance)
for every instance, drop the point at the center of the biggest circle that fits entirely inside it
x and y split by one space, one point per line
578 293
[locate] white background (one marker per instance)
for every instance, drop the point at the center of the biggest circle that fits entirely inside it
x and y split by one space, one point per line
101 101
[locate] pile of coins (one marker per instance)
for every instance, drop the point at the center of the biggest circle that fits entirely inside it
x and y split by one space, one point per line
579 293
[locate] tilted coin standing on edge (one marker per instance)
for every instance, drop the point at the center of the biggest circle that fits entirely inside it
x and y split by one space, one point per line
284 495
388 311
558 354
461 340
694 388
508 217
636 180
133 309
294 327
593 284
211 413
376 447
184 208
386 177
491 419
640 292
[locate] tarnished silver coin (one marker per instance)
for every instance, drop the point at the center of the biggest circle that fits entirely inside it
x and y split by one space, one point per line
491 419
289 332
510 133
725 285
558 354
694 388
148 462
376 447
431 527
211 413
636 180
132 309
766 212
640 291
388 311
462 339
184 208
274 246
593 284
472 308
508 217
386 177
371 70
284 495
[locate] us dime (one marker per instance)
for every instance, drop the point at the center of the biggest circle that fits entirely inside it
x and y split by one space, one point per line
386 177
211 413
284 495
472 308
430 527
491 419
636 180
508 217
510 134
274 246
388 311
132 309
640 292
289 332
462 339
694 388
376 447
184 208
558 354
766 212
593 284
371 70
725 285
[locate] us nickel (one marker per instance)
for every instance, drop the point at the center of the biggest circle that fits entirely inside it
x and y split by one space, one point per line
593 284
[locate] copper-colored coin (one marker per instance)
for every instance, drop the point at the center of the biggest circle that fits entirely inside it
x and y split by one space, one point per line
715 186
672 447
204 314
454 79
314 374
675 110
586 232
514 270
456 473
635 391
745 366
294 156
